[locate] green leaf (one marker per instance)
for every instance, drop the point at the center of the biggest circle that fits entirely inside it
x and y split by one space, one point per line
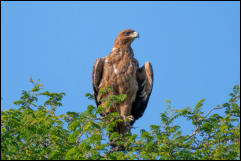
198 106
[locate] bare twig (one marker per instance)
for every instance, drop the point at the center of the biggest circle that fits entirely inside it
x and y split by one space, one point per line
201 119
78 139
215 108
99 118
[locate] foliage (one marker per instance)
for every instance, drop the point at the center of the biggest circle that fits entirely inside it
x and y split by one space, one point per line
34 131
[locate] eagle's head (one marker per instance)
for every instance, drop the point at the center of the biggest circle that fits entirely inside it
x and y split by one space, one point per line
125 38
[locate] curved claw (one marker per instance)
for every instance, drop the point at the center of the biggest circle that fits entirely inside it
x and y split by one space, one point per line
130 118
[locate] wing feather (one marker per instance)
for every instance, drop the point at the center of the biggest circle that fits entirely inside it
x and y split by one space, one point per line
97 77
145 84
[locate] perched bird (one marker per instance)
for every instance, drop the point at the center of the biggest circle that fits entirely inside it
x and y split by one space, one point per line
120 71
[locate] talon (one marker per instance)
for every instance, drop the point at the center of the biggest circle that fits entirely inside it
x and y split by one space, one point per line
130 117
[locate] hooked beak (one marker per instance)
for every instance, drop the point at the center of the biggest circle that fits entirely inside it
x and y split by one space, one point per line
135 35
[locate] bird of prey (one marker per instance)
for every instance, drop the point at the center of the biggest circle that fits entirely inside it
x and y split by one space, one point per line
121 72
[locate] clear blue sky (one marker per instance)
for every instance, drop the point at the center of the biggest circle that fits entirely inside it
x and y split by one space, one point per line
194 48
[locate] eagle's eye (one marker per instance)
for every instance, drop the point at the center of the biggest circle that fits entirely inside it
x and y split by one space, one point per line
127 33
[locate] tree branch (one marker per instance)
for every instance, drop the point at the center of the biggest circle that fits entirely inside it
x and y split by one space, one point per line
201 119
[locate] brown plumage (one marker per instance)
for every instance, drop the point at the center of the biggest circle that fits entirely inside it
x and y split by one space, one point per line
120 71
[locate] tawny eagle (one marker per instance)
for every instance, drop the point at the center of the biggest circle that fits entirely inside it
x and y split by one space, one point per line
120 71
